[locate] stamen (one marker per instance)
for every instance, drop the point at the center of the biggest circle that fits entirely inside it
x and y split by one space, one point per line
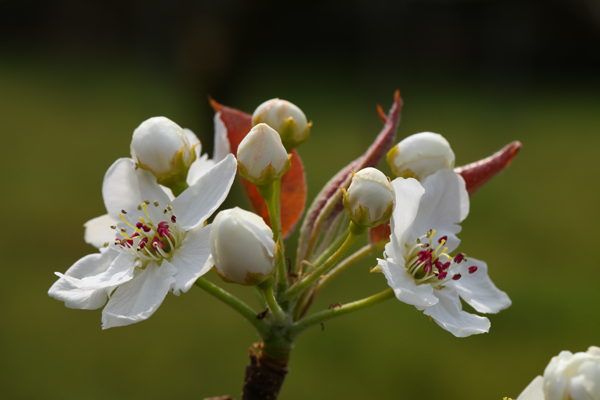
123 211
173 219
156 204
146 201
472 269
105 244
113 227
127 222
459 257
139 207
442 275
443 239
123 230
169 207
456 277
165 211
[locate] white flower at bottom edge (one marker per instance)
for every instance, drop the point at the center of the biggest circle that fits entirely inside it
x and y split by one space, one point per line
417 264
159 245
568 376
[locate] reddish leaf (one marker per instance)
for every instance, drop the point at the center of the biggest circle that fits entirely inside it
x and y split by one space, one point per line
380 233
478 173
328 203
293 183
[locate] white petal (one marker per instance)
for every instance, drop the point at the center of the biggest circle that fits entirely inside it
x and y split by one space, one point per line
478 290
407 195
404 285
119 272
194 141
199 168
591 382
98 230
190 259
533 391
200 200
87 299
139 298
448 314
222 147
444 205
124 187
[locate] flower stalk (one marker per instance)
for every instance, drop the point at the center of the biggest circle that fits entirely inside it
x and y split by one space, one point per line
261 326
278 314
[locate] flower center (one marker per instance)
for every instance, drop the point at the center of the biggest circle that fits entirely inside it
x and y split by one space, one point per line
428 262
149 234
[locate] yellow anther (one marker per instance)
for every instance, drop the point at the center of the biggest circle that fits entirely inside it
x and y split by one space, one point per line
156 203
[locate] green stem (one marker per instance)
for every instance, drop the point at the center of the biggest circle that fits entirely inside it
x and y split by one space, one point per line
267 289
331 249
270 193
235 303
323 316
342 266
355 232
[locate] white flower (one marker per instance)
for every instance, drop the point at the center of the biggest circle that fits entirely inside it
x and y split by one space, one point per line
420 155
159 245
417 264
261 156
568 376
286 118
242 247
160 146
369 200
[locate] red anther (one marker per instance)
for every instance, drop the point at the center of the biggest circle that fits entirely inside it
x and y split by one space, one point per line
135 235
163 229
143 243
139 225
456 277
156 242
424 255
459 257
472 269
444 238
173 219
442 275
445 266
428 268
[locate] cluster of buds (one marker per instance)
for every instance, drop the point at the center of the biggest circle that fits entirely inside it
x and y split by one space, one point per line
286 118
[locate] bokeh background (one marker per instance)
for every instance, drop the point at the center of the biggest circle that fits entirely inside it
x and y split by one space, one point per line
76 78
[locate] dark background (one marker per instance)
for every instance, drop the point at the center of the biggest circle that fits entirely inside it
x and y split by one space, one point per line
76 78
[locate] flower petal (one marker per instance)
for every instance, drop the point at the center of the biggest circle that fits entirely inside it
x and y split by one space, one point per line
139 298
534 390
443 206
478 290
194 141
98 230
199 168
125 187
404 285
222 147
88 299
407 197
190 259
200 200
448 314
119 272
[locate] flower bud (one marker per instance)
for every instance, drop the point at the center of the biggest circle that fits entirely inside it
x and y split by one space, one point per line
160 146
261 156
286 118
369 200
420 155
242 247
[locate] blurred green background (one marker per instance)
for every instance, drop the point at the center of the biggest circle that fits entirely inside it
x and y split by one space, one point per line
68 106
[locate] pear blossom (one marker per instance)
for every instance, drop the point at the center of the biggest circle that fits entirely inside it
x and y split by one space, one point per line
286 118
158 245
242 247
369 199
261 156
568 376
420 155
417 264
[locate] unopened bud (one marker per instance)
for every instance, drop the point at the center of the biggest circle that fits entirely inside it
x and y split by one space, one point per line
160 146
420 155
286 118
261 156
369 200
242 247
